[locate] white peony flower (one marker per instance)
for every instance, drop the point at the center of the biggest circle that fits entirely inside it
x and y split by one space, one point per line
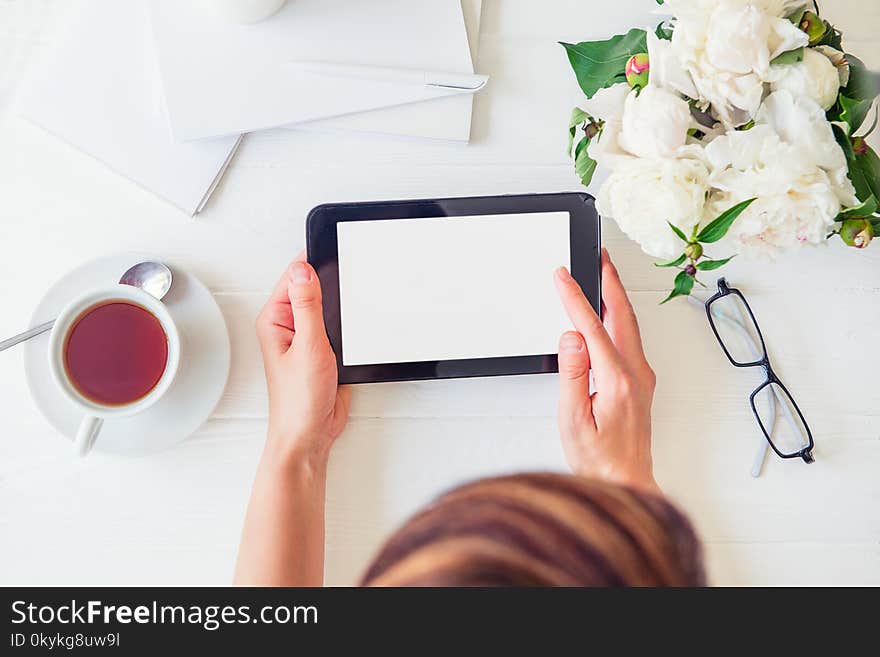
773 7
801 122
666 70
655 123
815 77
727 47
607 104
642 194
838 58
792 164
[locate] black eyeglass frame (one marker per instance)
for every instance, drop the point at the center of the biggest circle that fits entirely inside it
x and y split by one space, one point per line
724 290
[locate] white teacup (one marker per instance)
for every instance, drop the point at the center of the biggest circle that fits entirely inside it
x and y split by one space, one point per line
95 412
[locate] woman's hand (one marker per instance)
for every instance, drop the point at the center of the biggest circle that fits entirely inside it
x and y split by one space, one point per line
282 543
607 434
307 410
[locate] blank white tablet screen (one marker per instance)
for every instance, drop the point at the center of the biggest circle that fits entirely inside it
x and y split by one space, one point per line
448 288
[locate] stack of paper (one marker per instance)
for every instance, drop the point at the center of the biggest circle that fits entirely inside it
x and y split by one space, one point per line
241 78
162 91
101 93
445 118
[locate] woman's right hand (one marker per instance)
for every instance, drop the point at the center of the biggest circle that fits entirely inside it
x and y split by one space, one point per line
307 409
607 434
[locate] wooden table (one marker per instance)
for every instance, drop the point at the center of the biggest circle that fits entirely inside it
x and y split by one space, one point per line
175 518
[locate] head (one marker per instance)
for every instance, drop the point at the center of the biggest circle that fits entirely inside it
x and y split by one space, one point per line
542 529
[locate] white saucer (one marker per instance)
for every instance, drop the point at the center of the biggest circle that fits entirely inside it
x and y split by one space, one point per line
201 376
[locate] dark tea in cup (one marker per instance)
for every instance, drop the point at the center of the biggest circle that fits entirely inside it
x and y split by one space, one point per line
115 353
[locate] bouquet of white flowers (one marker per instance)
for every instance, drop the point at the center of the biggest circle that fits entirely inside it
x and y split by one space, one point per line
740 122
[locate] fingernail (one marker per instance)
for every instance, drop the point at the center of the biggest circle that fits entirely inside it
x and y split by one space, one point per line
300 272
571 342
563 274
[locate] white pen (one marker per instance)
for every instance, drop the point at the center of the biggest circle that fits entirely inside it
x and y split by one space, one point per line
469 82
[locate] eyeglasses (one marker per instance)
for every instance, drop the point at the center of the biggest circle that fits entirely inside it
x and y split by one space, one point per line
737 331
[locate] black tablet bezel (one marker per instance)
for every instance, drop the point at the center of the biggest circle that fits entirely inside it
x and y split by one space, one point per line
321 248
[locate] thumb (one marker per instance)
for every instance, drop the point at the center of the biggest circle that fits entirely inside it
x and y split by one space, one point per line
574 375
304 290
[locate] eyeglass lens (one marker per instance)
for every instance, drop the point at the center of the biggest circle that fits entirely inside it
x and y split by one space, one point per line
736 329
780 419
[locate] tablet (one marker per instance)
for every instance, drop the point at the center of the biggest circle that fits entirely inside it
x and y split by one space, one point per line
454 287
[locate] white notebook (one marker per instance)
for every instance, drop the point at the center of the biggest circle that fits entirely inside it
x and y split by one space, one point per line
443 118
100 91
224 78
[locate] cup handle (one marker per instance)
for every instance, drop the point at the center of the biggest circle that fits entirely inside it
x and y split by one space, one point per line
88 431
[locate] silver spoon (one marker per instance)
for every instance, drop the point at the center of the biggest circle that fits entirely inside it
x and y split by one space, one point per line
154 278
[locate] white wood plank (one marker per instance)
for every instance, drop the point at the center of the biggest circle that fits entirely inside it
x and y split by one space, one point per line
695 380
160 511
793 564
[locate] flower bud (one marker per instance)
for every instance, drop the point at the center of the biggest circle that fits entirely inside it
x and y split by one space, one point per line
860 146
857 232
592 129
690 270
813 26
637 68
694 251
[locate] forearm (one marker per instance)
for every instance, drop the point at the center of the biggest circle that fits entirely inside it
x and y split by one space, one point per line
282 542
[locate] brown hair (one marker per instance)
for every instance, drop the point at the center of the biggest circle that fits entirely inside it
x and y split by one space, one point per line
542 529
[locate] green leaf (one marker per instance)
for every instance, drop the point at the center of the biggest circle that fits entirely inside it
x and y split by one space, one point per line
578 116
790 57
664 31
869 165
843 141
862 84
681 287
677 231
718 227
860 181
709 265
672 263
584 165
863 170
797 16
864 209
853 112
870 129
831 37
600 64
